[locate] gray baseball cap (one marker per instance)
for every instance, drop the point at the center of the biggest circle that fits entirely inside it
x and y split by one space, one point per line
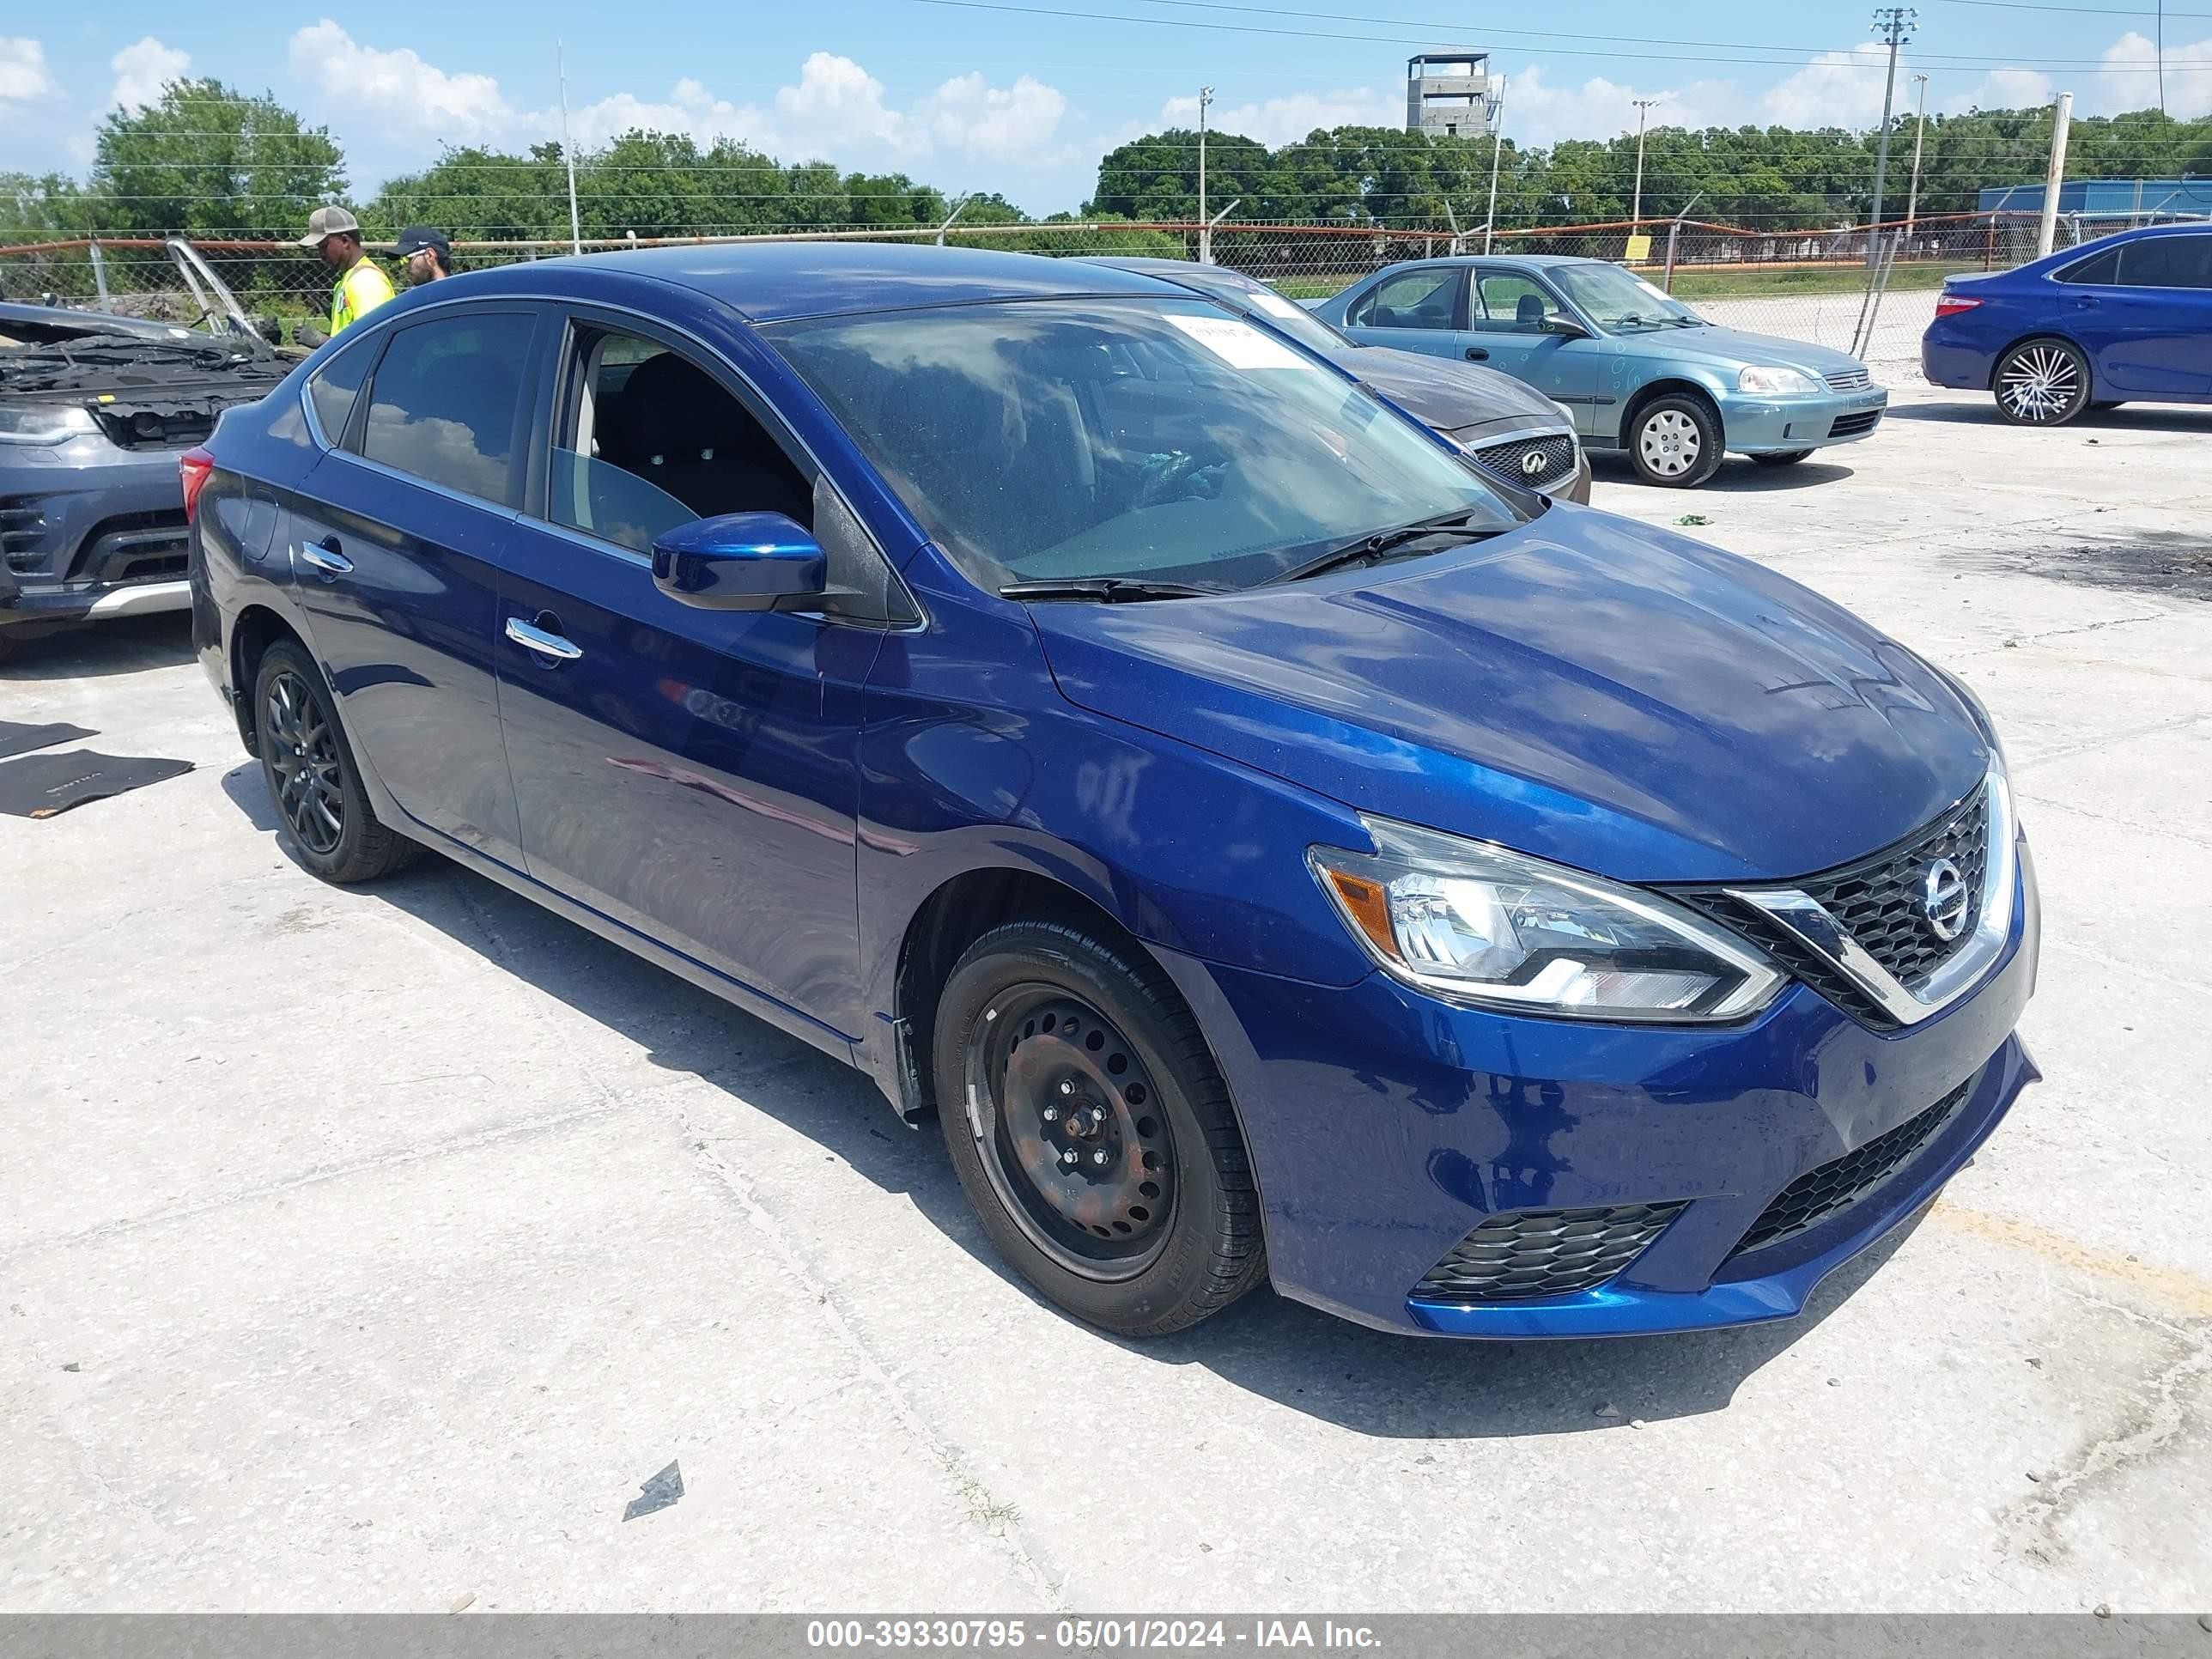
328 222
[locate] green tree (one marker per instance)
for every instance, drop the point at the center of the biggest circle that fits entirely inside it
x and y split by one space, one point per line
207 160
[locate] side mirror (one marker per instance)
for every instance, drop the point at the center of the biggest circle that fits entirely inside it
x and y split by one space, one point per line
741 561
1566 328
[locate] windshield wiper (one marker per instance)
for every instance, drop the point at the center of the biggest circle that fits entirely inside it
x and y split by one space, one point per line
1107 590
1379 545
1688 322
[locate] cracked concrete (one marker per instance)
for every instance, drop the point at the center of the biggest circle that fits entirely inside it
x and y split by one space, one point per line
367 1250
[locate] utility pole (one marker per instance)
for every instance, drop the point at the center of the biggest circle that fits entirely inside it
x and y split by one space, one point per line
1205 235
1496 142
2161 57
2062 118
569 150
1635 212
1920 131
1895 23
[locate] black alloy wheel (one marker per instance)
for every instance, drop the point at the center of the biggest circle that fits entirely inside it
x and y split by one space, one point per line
312 778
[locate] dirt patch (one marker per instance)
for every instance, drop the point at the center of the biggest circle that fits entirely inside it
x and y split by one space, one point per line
2177 563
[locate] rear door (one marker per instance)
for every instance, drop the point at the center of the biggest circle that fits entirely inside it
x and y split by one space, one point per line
1423 309
690 773
2146 319
1507 310
395 546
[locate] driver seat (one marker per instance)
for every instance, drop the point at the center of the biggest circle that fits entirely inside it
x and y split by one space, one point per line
1528 314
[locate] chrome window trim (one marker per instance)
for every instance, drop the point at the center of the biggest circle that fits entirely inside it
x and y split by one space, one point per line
1809 922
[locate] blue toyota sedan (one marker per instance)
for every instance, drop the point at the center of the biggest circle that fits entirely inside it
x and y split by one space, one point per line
1270 847
2125 320
1643 374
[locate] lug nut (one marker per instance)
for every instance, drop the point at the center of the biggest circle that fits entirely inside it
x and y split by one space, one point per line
1097 1158
1052 1114
1068 1156
1067 1087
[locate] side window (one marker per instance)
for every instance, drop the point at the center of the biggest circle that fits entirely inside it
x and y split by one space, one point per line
2099 268
650 440
1506 300
335 385
2168 262
1420 299
444 401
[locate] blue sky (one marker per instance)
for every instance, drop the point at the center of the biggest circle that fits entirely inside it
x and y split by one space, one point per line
968 96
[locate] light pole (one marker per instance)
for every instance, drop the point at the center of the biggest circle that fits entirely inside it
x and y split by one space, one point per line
1205 235
1919 132
1896 22
1635 212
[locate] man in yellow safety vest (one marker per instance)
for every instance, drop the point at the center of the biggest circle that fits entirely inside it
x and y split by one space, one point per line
361 286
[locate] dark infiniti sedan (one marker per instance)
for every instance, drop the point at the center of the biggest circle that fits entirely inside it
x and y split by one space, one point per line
1269 848
1508 428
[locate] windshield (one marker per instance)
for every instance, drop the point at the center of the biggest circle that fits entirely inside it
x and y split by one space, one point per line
1046 440
1258 300
1616 299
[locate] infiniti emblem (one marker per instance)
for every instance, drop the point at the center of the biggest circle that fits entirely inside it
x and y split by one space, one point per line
1532 464
1943 899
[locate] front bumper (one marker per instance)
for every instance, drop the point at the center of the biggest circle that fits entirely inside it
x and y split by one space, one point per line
1758 425
1385 1125
88 532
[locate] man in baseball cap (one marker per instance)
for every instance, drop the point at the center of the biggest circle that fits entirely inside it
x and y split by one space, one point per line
424 254
361 286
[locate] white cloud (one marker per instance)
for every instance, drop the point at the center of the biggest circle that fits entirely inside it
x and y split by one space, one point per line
23 71
1539 113
999 123
398 86
142 70
1286 120
2004 89
1836 89
2188 88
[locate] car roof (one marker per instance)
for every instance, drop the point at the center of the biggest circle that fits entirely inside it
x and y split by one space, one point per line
773 282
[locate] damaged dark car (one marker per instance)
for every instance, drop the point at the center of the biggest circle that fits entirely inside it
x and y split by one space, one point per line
96 412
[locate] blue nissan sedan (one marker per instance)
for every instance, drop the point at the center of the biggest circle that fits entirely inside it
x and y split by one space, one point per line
1643 374
1269 846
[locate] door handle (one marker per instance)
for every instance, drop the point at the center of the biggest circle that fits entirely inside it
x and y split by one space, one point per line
551 647
324 555
1477 354
2084 303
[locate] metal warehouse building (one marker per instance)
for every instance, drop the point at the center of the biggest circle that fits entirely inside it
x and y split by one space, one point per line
2107 198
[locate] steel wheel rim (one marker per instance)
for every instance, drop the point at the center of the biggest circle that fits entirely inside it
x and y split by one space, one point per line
303 764
1670 443
2040 383
1069 1127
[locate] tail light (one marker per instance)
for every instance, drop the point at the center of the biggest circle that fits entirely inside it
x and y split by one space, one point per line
195 464
1950 305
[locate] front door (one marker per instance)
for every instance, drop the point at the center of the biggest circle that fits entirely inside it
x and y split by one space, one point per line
1508 318
395 546
690 773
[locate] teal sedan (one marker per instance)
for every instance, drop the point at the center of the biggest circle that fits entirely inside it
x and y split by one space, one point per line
1638 370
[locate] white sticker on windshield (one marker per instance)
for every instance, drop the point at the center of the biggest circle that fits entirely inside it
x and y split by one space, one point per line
1238 343
1275 305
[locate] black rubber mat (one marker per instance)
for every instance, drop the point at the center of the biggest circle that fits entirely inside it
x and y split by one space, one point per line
40 785
17 739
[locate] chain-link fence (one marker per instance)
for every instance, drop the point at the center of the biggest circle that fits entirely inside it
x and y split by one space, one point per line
1807 284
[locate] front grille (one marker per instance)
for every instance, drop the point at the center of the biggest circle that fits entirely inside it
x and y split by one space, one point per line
1532 1253
1877 901
1850 426
1508 459
1850 380
1842 1181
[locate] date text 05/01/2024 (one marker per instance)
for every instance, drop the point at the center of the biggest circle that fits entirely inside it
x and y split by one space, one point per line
1085 1633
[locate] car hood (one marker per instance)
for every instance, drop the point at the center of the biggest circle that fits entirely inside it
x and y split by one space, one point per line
1584 689
1444 394
1732 347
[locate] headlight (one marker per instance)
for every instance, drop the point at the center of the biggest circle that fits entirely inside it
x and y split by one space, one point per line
1775 382
1476 923
51 423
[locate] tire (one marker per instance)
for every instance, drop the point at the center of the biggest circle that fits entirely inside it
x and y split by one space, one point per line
1675 440
2041 383
327 817
1091 1131
1784 458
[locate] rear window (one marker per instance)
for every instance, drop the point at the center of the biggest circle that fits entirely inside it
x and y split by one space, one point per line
443 404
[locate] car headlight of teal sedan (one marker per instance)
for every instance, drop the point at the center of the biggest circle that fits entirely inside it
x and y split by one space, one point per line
1774 382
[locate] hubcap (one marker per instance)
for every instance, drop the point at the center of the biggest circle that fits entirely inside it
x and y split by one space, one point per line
1067 1120
1670 443
2040 383
303 762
